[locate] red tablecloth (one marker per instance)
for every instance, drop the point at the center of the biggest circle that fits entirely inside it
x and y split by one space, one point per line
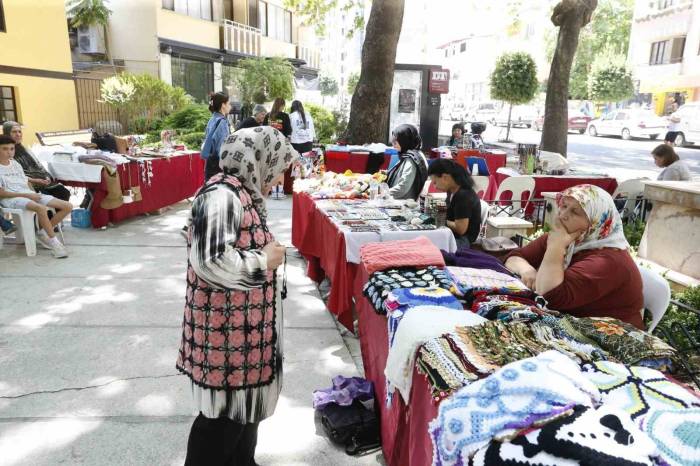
338 162
174 179
404 429
545 183
323 246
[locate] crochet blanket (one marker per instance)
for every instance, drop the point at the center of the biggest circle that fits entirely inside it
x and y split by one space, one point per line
604 437
418 252
380 284
676 435
517 395
471 283
418 326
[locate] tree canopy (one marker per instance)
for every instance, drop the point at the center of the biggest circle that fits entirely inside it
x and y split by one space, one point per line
353 79
610 80
328 86
514 78
260 80
87 12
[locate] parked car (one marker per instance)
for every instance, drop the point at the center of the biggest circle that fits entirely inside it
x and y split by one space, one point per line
484 112
577 122
522 115
689 132
628 124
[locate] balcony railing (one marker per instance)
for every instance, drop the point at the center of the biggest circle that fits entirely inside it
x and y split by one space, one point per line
312 57
240 38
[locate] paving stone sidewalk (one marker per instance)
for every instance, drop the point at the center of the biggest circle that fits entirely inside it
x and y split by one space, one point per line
88 347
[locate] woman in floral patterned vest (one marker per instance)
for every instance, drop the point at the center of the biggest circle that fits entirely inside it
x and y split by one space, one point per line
231 333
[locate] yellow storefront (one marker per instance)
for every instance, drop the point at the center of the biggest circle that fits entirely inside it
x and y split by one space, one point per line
36 83
662 92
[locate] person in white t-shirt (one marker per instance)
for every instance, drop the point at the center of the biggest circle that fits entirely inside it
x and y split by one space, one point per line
674 125
15 193
303 132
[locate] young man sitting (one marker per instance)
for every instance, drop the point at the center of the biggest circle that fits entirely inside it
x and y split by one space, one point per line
15 193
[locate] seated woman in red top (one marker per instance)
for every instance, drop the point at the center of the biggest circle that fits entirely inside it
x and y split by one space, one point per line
582 266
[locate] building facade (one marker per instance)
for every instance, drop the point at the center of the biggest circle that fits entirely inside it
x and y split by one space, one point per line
195 44
36 75
664 51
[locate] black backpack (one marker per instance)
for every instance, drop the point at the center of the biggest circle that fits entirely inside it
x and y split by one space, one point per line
354 427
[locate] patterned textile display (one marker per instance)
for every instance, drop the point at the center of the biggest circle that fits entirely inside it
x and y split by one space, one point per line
639 391
479 350
441 360
624 342
380 284
532 388
467 257
471 283
417 252
603 437
419 325
676 435
400 300
506 308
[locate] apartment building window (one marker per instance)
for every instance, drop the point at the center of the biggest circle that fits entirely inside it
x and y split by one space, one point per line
8 106
262 17
274 22
194 76
677 47
463 47
2 19
200 9
659 52
661 4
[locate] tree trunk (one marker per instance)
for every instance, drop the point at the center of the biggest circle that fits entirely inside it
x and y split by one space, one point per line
369 110
570 16
510 111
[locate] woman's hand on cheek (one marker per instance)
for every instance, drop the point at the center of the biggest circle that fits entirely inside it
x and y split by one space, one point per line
560 237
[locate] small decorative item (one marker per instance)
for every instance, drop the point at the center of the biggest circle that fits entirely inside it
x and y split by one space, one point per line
166 138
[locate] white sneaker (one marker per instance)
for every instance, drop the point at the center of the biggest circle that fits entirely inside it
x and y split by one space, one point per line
57 249
43 239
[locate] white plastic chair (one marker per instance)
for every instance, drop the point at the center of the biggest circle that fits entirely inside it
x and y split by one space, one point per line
25 221
657 295
481 185
630 190
485 210
517 185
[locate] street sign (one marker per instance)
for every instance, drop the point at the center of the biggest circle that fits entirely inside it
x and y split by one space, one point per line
439 82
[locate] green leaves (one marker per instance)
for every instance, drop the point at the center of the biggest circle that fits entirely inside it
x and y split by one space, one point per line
142 95
263 79
610 80
328 86
87 12
353 79
514 79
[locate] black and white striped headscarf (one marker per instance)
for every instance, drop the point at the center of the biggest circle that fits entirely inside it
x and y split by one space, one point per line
256 156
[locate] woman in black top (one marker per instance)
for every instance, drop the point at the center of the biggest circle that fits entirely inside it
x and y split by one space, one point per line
406 178
463 205
457 135
278 119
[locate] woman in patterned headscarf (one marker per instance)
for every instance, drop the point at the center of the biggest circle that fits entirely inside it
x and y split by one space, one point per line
231 334
582 266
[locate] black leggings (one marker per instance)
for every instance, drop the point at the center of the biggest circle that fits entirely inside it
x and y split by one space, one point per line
58 191
221 442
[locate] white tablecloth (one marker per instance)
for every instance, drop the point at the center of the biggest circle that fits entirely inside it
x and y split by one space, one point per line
73 171
442 238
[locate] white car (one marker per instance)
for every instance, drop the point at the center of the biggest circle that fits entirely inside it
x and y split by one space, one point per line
689 131
483 112
628 124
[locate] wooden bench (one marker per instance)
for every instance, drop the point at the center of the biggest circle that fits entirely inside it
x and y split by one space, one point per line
53 138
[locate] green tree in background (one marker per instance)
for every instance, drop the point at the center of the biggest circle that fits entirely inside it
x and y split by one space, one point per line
328 87
353 79
514 80
260 80
608 32
610 80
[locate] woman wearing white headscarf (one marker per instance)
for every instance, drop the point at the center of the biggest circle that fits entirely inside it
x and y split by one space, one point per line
231 333
583 266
